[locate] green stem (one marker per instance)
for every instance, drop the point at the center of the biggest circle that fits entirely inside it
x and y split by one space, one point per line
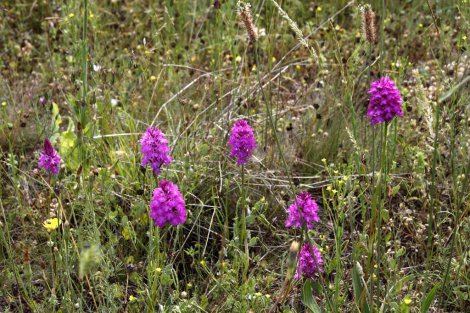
382 196
243 231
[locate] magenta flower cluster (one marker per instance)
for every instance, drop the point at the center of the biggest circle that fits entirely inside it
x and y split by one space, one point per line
310 262
154 149
49 159
242 142
167 205
385 101
303 210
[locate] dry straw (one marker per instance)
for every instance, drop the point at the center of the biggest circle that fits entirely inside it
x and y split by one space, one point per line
296 30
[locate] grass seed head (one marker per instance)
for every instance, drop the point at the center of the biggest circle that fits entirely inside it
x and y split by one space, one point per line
368 24
244 13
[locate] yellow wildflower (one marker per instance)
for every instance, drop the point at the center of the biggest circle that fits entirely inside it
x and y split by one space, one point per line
407 300
132 298
51 224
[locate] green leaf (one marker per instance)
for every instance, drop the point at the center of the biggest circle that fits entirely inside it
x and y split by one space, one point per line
395 190
429 298
68 147
359 292
397 288
307 297
204 302
253 241
56 121
385 215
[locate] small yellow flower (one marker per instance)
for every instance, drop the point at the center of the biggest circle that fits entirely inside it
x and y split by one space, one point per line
51 224
132 298
71 15
323 160
4 103
464 38
238 59
202 262
319 9
329 188
152 78
274 59
407 300
254 67
126 233
267 296
158 270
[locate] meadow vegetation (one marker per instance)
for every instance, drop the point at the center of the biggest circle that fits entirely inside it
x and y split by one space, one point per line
389 202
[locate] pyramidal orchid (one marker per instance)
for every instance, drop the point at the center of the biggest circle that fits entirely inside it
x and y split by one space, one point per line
49 159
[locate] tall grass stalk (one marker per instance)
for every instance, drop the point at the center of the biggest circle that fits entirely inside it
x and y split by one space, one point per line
433 195
83 105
